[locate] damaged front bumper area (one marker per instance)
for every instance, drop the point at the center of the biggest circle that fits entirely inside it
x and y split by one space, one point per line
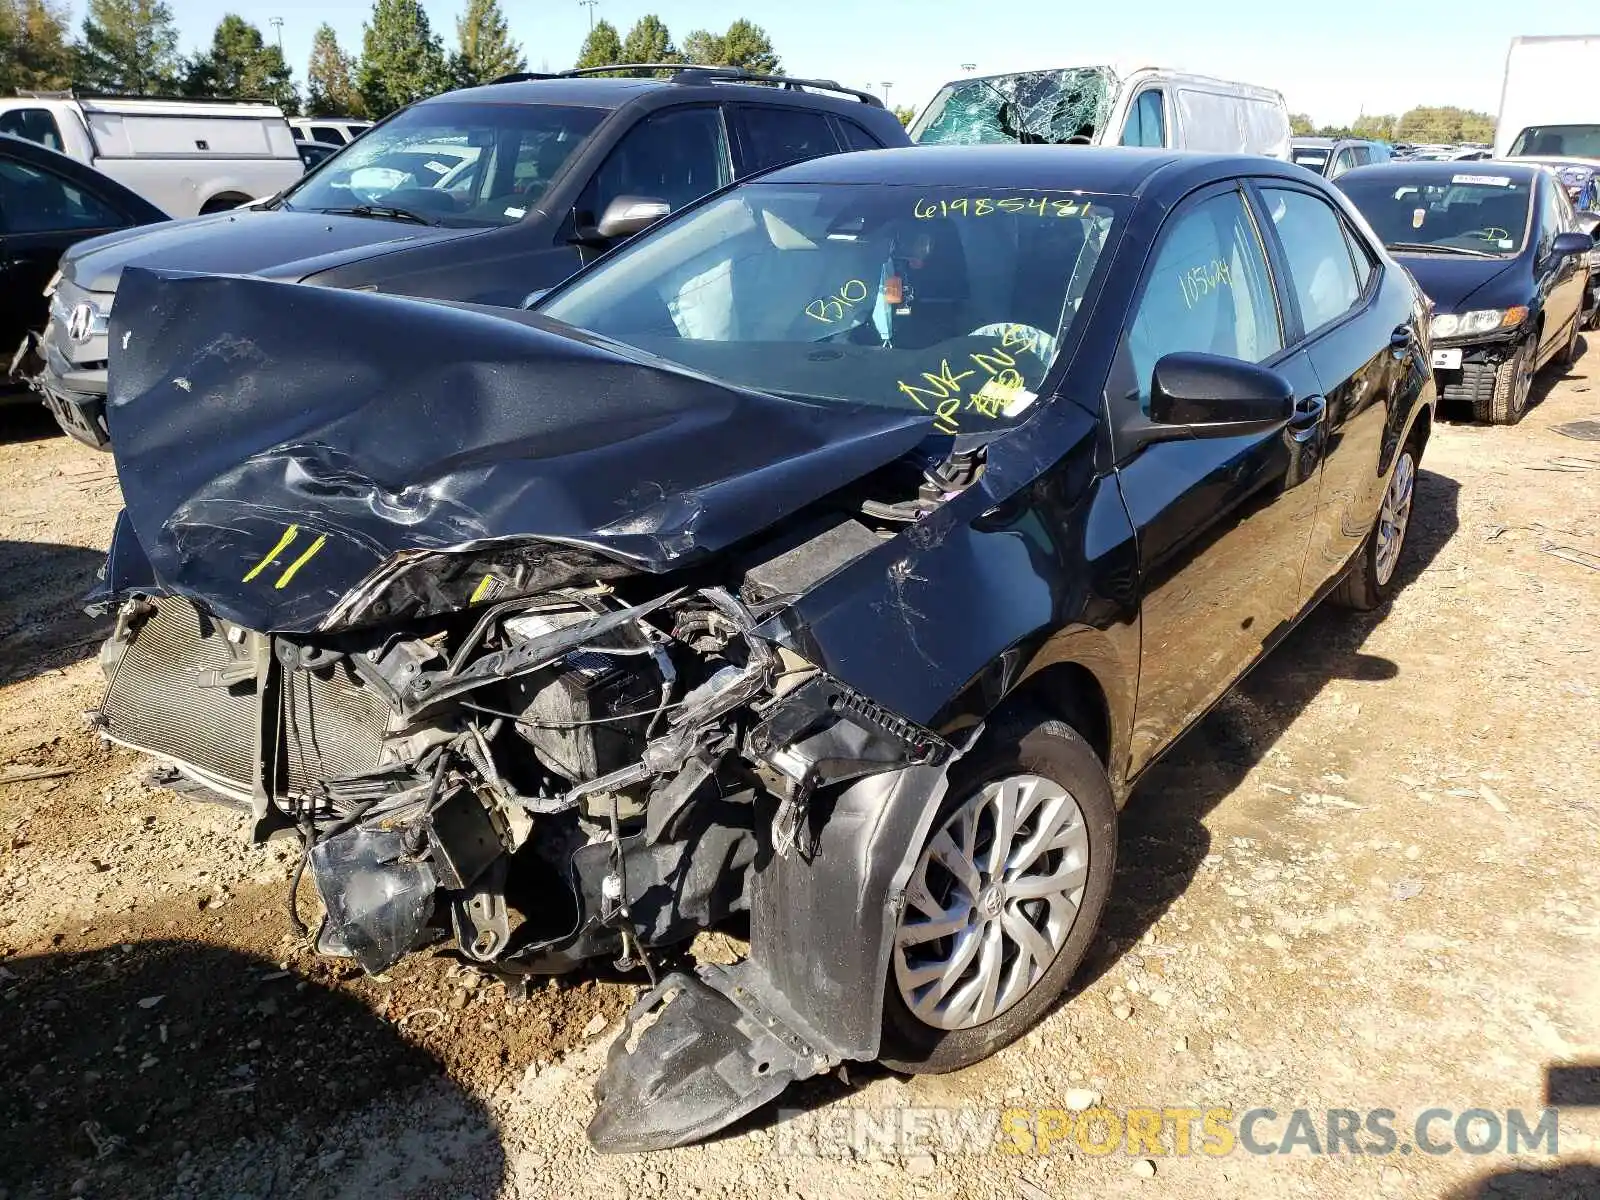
593 773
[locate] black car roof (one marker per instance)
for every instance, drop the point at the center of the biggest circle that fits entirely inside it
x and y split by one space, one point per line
1106 170
611 92
32 153
1428 171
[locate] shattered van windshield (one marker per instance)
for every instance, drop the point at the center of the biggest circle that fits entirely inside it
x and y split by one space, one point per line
1032 107
948 300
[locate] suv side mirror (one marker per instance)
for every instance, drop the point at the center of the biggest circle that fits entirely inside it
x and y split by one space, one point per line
1216 396
628 215
1571 242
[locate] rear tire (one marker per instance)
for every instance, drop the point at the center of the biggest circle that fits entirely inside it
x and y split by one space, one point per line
1047 764
1371 580
1512 383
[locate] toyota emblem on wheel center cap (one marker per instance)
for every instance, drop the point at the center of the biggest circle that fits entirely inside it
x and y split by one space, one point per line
80 321
992 900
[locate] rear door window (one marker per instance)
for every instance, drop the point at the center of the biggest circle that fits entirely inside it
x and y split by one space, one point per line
857 138
331 134
1146 124
769 137
1321 274
34 125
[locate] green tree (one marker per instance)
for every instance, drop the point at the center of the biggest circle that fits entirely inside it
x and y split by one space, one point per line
241 66
35 50
904 113
1444 123
402 59
1301 125
602 47
486 49
129 46
748 46
331 79
1379 128
703 47
649 42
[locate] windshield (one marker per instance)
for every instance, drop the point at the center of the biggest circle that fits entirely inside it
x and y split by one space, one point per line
1313 160
1049 107
1559 141
450 163
940 299
1479 212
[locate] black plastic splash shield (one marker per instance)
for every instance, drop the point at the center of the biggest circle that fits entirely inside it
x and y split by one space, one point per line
699 1060
277 443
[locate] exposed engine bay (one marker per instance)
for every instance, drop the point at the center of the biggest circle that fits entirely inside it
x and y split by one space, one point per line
547 780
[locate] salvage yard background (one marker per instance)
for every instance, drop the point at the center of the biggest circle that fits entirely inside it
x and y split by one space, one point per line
1367 881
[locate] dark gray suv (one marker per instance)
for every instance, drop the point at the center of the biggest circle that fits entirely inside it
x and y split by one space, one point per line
485 195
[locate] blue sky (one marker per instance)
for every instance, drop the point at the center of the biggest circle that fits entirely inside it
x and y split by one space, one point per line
1330 60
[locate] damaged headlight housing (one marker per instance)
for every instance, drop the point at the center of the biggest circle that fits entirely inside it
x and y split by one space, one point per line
1478 322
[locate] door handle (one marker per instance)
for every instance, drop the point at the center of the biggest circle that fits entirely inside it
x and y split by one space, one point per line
1307 415
1402 337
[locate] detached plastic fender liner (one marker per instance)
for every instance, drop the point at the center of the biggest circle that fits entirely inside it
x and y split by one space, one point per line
822 924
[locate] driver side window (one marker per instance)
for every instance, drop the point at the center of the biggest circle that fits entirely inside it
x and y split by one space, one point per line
676 155
1207 290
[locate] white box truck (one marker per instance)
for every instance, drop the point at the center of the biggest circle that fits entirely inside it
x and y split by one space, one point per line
1549 105
184 156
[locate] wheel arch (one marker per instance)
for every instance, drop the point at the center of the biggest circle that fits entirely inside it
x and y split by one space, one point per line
223 201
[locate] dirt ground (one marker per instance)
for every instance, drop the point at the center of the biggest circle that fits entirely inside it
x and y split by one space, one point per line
1367 881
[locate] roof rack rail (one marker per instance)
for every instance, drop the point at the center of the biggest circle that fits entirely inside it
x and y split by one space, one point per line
686 73
789 83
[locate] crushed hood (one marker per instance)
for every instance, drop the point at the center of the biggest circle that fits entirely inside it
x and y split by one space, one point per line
278 444
245 241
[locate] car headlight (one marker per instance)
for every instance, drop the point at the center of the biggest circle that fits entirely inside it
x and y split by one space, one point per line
1478 322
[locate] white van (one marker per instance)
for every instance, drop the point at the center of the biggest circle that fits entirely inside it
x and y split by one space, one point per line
1549 107
330 131
184 156
1097 106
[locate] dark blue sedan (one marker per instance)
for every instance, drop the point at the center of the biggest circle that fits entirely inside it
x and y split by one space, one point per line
1498 249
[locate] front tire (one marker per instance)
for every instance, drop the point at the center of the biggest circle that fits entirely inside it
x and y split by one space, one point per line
1512 383
1371 580
1004 900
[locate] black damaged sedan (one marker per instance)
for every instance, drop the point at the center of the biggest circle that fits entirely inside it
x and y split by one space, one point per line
836 557
1497 248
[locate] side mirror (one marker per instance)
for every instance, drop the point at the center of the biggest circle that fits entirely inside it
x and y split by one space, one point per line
628 215
1218 397
1571 242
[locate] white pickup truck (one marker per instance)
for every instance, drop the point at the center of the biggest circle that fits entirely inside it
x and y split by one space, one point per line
184 156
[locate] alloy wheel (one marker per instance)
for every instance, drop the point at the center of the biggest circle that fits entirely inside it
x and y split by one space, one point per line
1394 515
992 900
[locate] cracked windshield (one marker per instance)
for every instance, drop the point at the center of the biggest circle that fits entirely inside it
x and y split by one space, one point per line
449 164
946 300
1031 107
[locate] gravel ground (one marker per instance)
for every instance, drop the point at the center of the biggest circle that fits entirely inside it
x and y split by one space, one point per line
1366 881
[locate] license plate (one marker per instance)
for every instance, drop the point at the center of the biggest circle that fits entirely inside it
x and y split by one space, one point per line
1447 360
